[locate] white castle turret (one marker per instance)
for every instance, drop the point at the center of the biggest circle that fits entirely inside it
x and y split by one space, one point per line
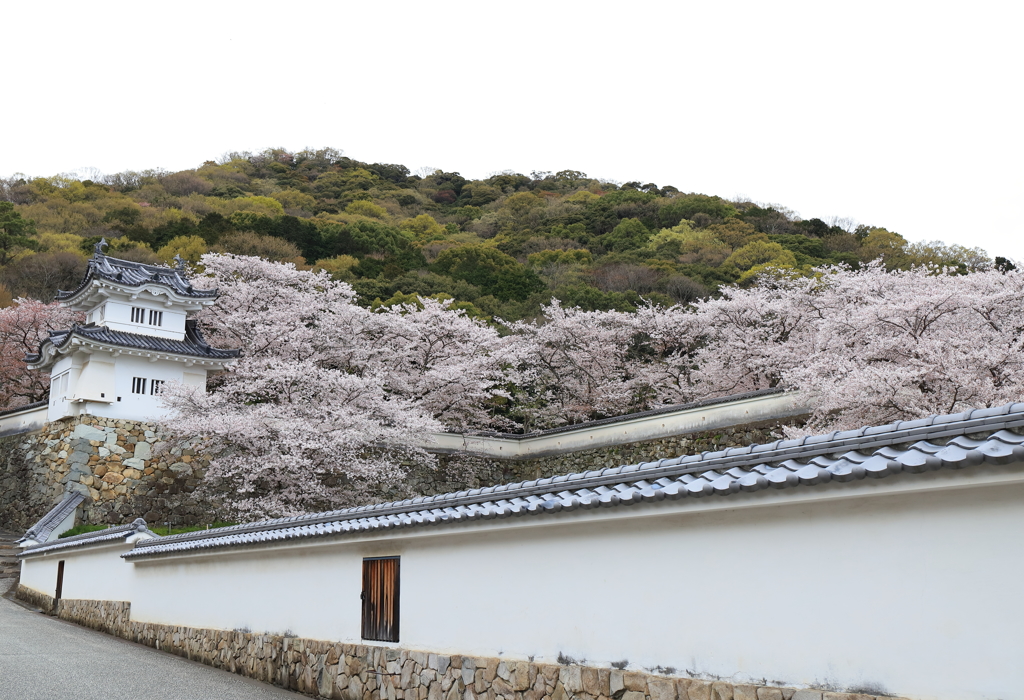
137 336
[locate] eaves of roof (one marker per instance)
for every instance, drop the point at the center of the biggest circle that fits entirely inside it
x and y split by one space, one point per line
194 345
934 443
136 275
89 539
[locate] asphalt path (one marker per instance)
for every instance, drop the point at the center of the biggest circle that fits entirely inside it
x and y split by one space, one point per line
43 658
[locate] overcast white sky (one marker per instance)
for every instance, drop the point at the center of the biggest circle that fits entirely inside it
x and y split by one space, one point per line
898 114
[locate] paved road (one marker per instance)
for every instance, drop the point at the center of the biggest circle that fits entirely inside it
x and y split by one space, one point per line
42 658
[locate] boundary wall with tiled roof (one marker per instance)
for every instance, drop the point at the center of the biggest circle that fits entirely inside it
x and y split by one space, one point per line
875 561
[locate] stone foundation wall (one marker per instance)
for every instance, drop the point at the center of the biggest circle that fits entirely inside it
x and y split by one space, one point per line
366 672
110 616
122 467
35 598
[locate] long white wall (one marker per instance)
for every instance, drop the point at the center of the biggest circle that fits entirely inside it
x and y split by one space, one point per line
877 584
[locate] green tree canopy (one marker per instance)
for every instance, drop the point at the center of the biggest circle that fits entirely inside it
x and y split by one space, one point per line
496 273
15 232
630 234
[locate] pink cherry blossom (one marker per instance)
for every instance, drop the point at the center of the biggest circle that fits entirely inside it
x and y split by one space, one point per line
23 325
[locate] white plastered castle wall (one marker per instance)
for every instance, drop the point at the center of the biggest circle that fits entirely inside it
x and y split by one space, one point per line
96 382
148 405
878 583
63 381
117 316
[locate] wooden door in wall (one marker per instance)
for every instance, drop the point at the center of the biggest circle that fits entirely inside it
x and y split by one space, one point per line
380 599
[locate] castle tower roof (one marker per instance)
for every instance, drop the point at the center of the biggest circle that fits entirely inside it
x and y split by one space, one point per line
192 350
106 275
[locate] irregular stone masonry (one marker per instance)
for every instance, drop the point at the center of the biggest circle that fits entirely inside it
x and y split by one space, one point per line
122 467
35 598
10 567
125 472
366 672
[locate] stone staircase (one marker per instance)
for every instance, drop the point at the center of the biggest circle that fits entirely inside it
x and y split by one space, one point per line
9 565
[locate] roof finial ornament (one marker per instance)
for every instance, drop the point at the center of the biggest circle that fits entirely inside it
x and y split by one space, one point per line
98 248
179 263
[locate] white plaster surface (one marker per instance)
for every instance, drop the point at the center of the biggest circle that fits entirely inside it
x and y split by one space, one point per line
26 421
118 317
66 524
142 406
96 382
90 573
914 593
87 382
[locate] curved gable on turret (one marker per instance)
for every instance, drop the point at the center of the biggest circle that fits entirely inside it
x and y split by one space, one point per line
105 275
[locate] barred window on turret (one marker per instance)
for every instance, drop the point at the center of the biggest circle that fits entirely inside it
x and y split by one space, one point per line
138 385
156 386
156 318
138 315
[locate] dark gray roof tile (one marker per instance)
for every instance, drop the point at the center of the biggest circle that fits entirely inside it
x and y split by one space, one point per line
992 411
137 275
1008 437
997 452
24 407
194 345
42 530
913 424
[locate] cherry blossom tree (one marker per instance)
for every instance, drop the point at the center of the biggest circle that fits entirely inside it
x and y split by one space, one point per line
300 422
23 325
327 397
289 436
868 346
871 346
451 365
666 348
573 365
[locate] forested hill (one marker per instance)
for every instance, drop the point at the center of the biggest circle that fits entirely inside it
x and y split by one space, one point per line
501 246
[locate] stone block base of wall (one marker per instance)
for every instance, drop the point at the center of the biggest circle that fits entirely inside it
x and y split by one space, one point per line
365 672
125 469
34 598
